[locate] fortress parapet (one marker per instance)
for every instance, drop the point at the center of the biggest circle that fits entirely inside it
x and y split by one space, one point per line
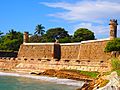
113 28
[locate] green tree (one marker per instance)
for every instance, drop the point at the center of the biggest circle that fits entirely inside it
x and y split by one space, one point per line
39 30
83 34
12 34
56 33
11 41
113 45
65 40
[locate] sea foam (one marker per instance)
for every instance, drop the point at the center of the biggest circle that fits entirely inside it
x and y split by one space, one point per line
46 78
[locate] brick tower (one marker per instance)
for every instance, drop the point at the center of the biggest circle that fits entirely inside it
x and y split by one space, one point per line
26 37
113 28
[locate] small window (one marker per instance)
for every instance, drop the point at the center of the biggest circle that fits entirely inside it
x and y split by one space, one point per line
19 59
67 60
101 61
78 61
4 58
25 59
88 60
39 59
32 59
48 59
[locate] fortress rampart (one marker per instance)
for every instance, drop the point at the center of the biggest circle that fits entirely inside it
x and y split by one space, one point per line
87 50
86 55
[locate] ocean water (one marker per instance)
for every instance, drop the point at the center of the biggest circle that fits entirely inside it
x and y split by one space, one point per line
11 81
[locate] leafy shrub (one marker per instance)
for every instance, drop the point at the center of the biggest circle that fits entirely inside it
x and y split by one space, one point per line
113 45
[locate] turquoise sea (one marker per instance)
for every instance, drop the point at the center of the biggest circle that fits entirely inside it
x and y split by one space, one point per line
10 81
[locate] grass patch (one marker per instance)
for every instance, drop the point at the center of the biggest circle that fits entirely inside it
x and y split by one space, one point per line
118 72
90 74
87 73
104 83
107 73
116 65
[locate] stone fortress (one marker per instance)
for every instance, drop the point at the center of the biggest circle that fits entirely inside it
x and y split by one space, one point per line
86 55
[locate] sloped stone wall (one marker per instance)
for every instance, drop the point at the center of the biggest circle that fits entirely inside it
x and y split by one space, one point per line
93 51
69 52
36 51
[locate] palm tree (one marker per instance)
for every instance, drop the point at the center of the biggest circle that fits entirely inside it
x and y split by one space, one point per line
39 29
12 34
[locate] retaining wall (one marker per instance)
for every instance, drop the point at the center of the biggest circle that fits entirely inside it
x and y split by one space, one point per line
21 64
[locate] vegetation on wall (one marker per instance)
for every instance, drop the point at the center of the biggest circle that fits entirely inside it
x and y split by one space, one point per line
115 65
113 45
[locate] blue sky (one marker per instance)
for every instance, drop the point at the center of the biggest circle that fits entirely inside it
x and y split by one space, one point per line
24 15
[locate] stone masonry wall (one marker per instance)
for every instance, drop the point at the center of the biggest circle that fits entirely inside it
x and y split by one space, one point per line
93 51
69 52
87 56
21 65
88 51
36 51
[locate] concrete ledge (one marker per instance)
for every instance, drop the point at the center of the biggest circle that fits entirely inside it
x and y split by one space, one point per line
38 43
106 39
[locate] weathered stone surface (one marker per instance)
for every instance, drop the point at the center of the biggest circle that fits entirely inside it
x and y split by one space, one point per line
93 51
36 51
87 56
69 52
90 51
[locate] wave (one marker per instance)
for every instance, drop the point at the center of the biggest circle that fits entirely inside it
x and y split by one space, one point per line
46 78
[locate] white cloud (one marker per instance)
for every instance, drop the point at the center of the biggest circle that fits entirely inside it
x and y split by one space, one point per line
90 11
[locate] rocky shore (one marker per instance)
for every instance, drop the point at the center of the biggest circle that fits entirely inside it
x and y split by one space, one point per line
109 82
99 83
64 74
90 83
